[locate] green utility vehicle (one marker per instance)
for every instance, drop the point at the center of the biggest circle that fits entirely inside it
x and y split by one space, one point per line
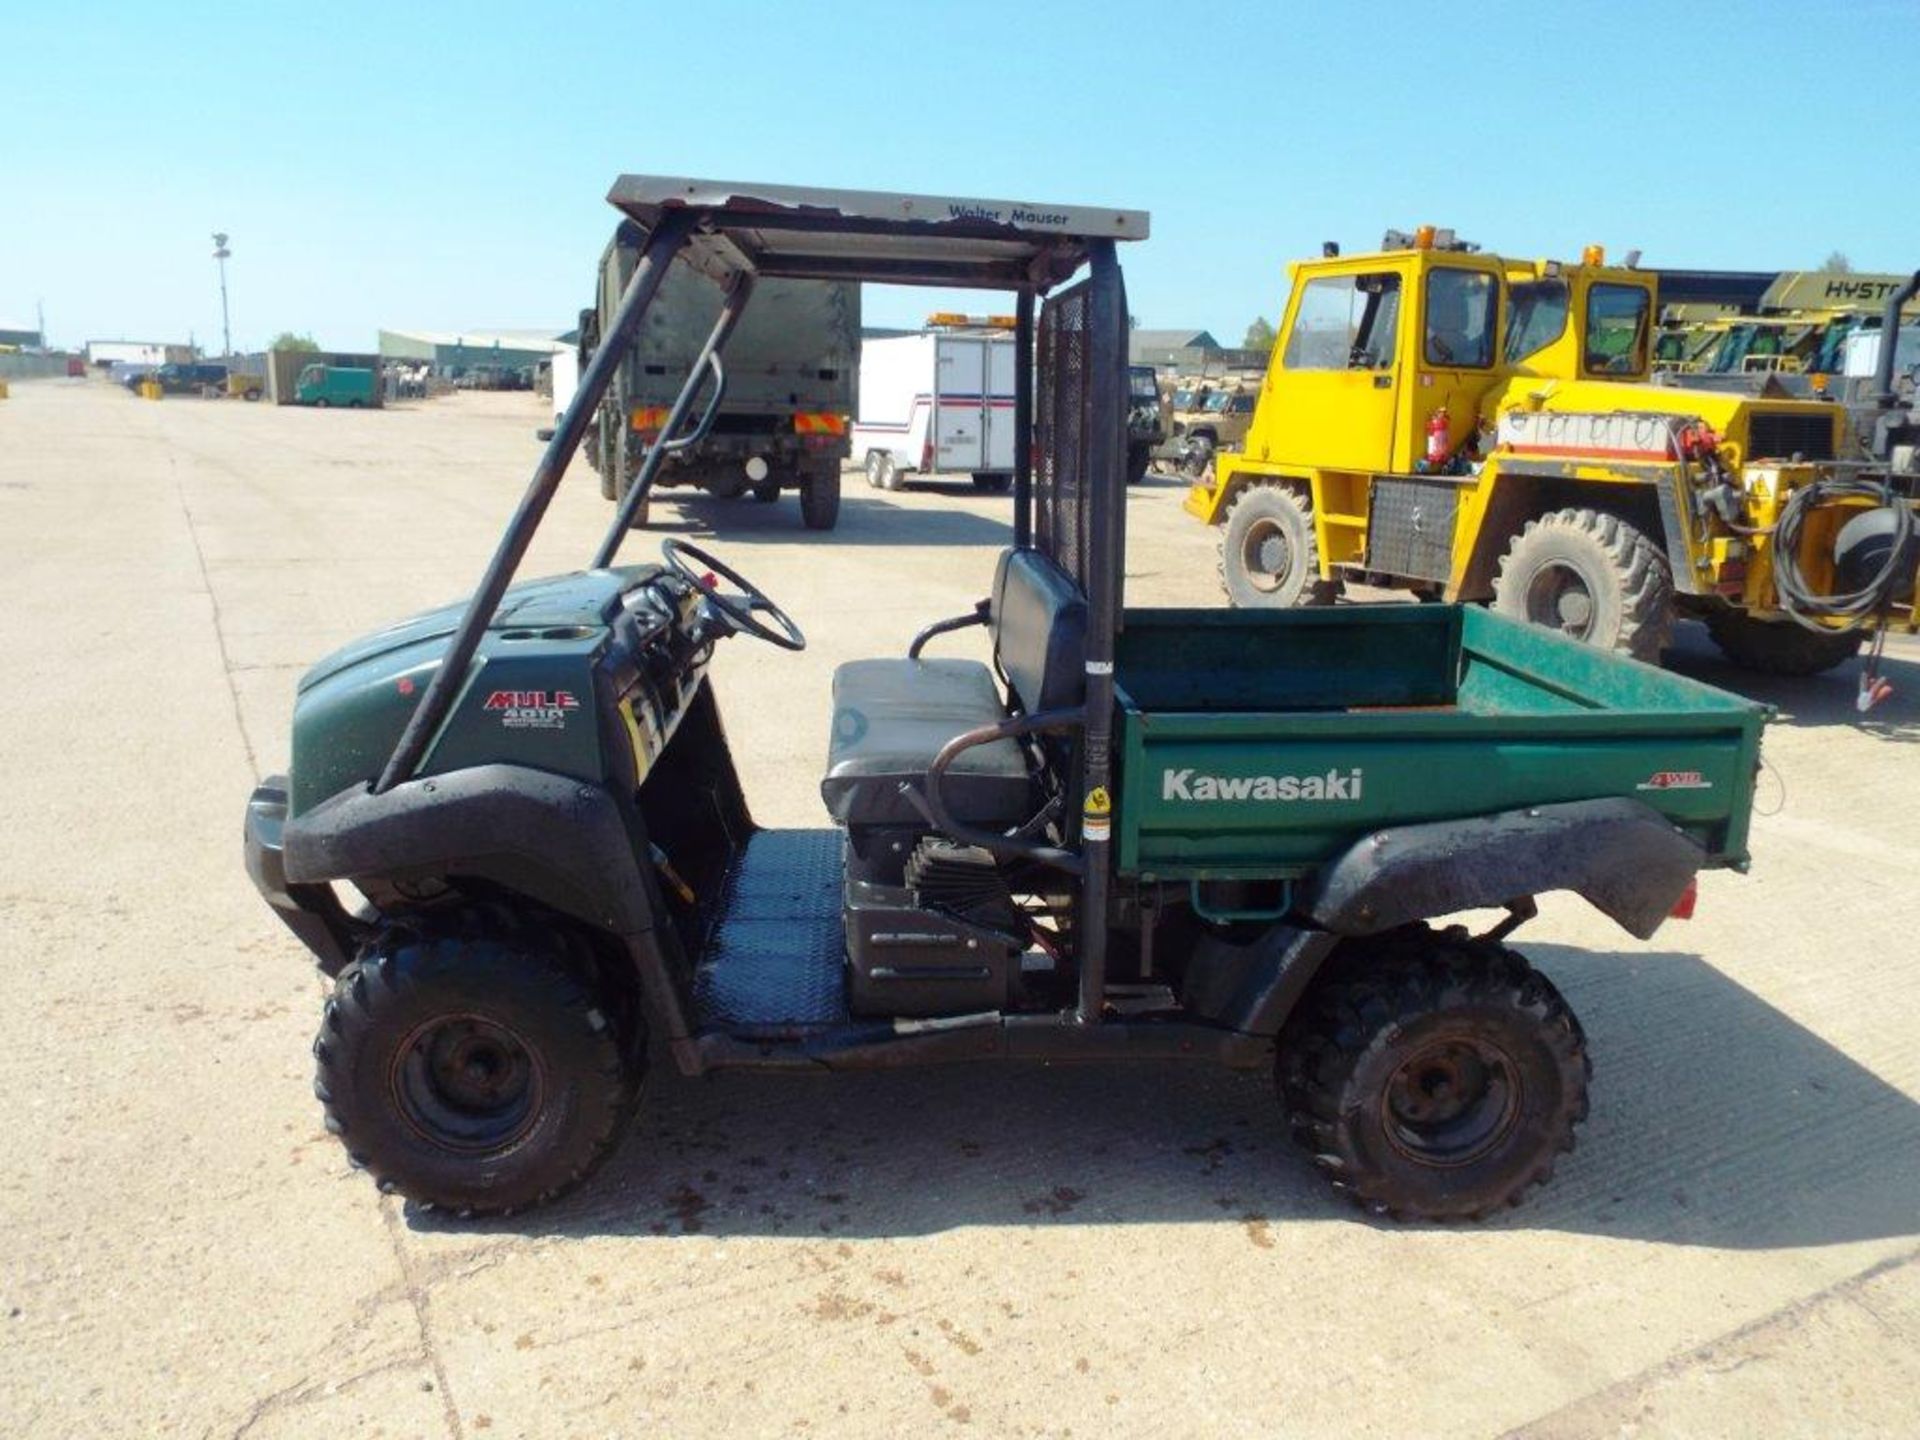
515 837
325 385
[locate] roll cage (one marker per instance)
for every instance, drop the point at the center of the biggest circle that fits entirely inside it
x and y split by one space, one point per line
1070 408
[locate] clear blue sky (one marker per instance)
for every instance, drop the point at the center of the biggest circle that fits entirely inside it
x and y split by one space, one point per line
445 166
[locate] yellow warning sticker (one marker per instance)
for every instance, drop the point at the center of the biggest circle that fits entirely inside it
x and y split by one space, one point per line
1098 802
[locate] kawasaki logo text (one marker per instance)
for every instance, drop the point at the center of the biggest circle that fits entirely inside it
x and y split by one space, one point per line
1334 785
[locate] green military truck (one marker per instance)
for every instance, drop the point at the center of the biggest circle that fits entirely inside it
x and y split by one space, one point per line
774 414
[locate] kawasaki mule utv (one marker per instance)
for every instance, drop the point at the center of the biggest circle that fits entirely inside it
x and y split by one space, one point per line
1148 834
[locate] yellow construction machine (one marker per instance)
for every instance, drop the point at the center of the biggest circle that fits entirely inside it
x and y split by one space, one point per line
1468 427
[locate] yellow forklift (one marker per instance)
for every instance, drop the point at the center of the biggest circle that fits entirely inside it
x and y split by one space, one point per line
1468 427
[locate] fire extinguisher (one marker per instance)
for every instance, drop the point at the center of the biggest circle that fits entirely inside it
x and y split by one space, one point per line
1437 438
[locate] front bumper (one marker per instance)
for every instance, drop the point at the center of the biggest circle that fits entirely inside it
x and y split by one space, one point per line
312 912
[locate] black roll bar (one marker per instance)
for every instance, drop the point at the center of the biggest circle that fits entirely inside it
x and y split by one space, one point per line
1023 419
739 292
431 711
1106 478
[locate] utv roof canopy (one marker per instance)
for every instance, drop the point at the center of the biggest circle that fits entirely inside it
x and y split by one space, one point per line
804 233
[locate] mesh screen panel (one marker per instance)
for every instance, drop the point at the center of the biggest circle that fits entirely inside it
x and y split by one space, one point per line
1061 489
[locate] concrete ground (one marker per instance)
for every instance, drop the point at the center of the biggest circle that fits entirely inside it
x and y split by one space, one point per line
1733 1250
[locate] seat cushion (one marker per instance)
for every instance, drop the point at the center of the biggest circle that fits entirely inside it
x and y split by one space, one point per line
891 717
1039 624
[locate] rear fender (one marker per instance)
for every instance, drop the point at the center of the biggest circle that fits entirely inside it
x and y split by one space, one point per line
1620 855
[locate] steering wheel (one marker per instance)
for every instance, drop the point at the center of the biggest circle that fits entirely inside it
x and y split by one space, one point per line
740 610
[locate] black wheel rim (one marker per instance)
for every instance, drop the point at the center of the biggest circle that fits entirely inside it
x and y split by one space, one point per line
1451 1102
1266 554
467 1083
1560 598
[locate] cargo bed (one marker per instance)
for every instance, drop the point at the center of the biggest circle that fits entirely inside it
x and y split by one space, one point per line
1263 744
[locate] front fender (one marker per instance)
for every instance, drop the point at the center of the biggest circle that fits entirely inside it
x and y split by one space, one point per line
553 839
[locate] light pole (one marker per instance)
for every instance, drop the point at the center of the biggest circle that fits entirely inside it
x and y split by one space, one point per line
220 253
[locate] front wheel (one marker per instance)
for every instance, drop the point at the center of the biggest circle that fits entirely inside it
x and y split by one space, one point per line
321 403
1780 647
478 1065
820 499
1432 1075
1269 558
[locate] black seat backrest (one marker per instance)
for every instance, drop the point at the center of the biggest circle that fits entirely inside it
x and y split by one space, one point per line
1039 621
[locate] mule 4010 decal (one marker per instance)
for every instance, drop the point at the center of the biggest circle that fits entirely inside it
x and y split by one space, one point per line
532 709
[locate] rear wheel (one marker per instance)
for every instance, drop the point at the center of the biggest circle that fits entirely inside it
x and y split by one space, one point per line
1196 456
1780 647
1591 576
250 394
480 1064
1433 1076
1269 558
321 403
820 499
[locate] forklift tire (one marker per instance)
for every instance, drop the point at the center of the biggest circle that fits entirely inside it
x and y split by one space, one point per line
1592 577
478 1065
991 484
1780 647
882 473
1269 557
820 499
1433 1075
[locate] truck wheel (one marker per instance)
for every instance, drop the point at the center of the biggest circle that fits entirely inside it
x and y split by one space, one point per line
251 394
820 499
1433 1076
1591 576
1780 647
882 473
993 484
479 1065
1269 558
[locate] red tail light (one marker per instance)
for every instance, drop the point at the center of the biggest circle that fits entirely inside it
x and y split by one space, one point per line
1683 907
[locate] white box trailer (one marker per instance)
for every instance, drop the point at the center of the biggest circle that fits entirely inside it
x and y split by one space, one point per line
937 403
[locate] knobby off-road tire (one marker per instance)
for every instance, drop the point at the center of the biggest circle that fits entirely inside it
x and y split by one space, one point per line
478 1064
820 499
1592 577
1780 647
1269 556
1433 1076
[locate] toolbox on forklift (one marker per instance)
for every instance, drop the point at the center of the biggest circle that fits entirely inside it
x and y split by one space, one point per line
554 865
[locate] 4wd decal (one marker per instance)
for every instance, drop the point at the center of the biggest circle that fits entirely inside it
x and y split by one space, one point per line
1334 785
1675 780
532 709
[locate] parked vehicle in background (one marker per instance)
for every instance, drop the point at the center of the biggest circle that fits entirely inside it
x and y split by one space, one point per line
1215 419
775 411
181 379
1146 419
938 403
324 385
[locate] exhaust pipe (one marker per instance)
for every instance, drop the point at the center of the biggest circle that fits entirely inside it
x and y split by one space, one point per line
1890 341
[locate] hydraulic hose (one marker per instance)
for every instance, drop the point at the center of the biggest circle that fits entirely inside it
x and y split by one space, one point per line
1857 608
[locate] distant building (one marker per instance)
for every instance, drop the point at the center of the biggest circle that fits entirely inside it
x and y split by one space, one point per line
453 353
19 337
1189 352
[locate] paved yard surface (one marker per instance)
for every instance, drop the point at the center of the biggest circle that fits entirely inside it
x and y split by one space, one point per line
1734 1249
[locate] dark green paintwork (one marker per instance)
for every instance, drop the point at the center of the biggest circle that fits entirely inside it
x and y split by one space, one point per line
1513 716
547 636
